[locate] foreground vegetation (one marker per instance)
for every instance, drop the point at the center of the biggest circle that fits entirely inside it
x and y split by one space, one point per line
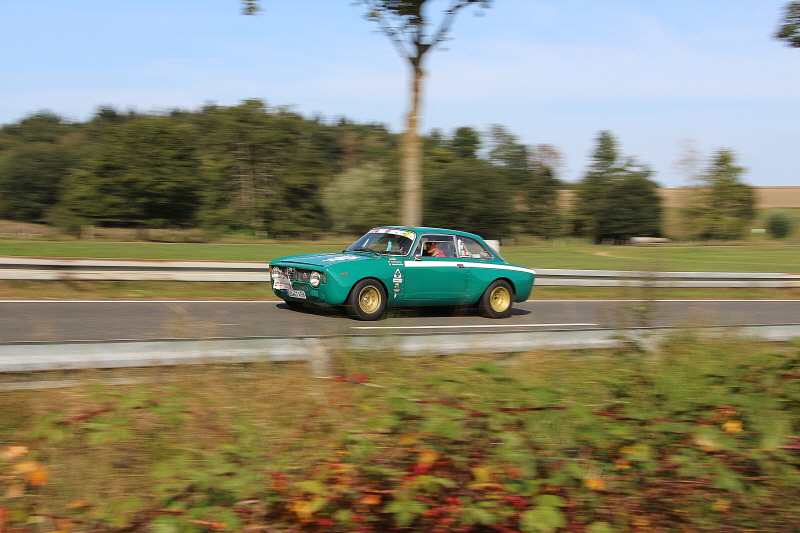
700 437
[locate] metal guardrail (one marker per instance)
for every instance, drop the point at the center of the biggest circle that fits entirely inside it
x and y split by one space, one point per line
317 351
129 270
24 268
621 278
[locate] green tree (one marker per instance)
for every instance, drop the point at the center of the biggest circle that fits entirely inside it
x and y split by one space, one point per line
142 173
470 194
413 32
533 196
36 154
30 179
591 195
506 151
263 169
364 194
789 29
42 127
542 213
634 207
439 154
616 199
464 191
466 142
358 199
722 205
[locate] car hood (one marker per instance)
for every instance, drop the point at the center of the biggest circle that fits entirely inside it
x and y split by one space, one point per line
325 260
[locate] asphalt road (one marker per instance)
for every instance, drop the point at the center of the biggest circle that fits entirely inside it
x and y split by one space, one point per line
58 321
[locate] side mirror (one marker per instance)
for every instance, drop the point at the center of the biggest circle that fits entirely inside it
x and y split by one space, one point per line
417 257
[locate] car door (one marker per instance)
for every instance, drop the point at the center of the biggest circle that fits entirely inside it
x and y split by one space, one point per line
435 280
480 265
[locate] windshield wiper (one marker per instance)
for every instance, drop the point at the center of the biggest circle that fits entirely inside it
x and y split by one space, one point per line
360 250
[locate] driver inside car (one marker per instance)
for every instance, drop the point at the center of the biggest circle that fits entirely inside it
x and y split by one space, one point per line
432 250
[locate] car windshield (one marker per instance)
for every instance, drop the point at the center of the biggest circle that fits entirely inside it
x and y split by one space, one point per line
384 241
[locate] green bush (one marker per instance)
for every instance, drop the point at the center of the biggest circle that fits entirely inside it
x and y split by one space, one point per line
779 225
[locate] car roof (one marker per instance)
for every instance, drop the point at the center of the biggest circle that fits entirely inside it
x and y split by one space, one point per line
424 229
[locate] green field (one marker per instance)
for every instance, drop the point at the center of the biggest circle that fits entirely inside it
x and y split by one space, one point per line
558 254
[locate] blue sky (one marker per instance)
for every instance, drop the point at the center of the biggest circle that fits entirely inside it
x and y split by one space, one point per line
660 75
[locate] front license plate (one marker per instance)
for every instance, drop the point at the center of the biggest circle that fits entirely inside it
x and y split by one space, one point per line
296 294
281 283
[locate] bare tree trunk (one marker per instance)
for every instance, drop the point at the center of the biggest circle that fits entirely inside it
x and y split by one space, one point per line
411 155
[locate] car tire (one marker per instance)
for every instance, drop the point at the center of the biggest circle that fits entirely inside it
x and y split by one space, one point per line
497 300
367 300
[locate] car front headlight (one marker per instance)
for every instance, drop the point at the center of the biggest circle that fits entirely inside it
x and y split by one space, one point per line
276 272
315 279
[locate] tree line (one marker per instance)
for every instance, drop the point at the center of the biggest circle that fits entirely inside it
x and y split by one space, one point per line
260 169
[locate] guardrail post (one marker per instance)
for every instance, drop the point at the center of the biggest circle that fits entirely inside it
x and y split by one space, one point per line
319 360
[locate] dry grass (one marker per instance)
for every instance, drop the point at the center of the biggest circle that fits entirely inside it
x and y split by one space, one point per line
777 197
766 197
25 230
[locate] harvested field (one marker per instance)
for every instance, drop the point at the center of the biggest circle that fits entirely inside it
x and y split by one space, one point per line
766 197
26 230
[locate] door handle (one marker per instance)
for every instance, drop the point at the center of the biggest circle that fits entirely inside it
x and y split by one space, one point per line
460 265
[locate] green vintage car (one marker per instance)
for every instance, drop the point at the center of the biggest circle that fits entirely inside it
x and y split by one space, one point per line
395 266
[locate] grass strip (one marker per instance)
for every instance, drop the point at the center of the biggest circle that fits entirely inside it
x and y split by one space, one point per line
566 254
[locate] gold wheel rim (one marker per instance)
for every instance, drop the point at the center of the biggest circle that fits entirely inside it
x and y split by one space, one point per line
499 299
369 300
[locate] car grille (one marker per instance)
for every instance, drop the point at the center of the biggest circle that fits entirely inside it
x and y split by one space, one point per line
298 274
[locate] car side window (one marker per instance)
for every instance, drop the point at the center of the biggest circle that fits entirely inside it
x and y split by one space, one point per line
469 247
435 246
